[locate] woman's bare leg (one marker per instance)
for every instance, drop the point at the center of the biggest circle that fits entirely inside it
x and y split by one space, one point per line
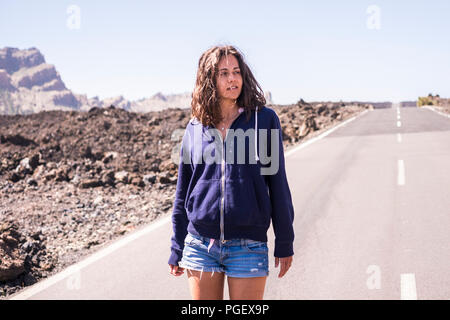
246 288
206 285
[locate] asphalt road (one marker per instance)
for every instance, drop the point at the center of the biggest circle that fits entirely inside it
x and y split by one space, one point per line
372 205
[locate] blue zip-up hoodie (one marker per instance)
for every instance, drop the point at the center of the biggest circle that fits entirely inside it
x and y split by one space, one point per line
221 196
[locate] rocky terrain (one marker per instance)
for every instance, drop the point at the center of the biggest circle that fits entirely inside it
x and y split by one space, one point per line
29 85
72 181
435 102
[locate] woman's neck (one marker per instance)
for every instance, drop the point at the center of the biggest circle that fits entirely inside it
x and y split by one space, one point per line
228 108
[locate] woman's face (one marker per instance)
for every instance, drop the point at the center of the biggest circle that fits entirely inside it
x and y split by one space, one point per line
229 78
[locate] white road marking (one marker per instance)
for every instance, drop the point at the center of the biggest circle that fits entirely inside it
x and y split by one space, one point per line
399 137
76 268
437 111
321 136
408 286
399 124
401 173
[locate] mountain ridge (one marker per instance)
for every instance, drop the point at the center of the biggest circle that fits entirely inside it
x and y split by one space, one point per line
28 84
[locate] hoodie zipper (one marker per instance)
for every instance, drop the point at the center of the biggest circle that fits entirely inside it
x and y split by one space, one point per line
222 182
222 190
222 201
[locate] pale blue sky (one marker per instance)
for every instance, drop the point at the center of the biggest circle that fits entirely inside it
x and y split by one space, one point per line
315 50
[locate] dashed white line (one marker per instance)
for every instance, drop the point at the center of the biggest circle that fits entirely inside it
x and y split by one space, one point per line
399 124
408 286
399 138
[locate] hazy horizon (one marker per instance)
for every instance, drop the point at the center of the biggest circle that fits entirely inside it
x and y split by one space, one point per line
322 51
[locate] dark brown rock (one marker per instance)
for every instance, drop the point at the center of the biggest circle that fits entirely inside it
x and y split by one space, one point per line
90 183
11 262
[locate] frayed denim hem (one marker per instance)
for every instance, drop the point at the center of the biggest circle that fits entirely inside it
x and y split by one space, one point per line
248 275
201 269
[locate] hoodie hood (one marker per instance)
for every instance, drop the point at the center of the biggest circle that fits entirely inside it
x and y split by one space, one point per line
256 131
197 122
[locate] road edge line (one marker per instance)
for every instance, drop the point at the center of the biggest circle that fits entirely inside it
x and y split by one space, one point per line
437 111
46 283
323 134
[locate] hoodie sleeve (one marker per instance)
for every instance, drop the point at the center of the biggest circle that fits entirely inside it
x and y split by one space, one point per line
179 216
282 208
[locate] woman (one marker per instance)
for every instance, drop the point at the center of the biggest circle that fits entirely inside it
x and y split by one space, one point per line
225 197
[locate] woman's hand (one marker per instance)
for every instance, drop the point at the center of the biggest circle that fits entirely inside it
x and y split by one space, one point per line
175 270
285 265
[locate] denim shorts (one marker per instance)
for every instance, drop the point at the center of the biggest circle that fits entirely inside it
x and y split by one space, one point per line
240 258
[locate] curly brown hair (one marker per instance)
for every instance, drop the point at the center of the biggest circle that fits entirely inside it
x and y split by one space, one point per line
205 101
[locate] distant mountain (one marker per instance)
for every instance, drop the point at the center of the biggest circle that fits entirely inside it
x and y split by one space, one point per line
28 85
156 102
